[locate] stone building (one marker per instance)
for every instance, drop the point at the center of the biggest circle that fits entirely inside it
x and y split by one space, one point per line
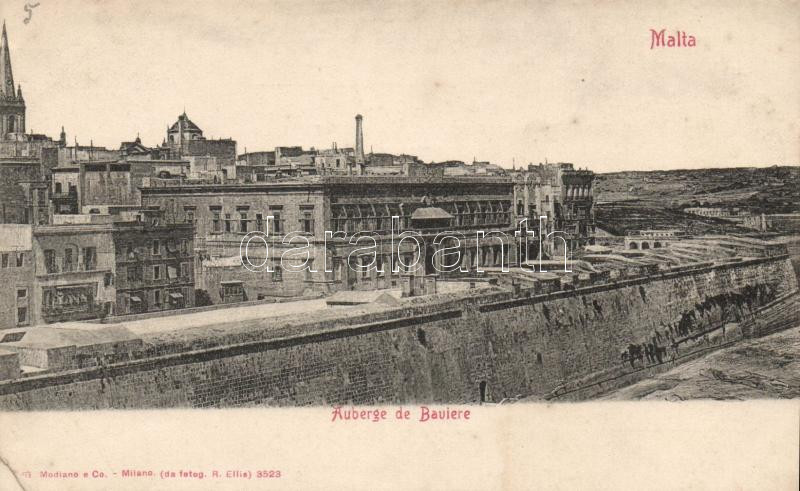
73 269
387 164
16 275
337 161
564 196
69 270
304 209
82 186
154 264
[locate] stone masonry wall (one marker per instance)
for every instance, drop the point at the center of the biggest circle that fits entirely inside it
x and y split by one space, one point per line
499 346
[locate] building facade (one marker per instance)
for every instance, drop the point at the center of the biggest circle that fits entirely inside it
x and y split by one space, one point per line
73 269
303 210
154 264
89 266
564 197
16 275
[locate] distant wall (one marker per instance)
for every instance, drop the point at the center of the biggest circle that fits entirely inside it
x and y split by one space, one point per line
490 345
793 247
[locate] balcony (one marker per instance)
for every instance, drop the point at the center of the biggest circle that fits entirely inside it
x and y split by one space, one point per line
62 314
73 271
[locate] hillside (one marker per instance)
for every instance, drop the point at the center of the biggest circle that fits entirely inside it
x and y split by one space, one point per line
627 201
759 190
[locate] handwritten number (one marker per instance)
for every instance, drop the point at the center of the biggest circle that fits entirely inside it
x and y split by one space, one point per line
29 9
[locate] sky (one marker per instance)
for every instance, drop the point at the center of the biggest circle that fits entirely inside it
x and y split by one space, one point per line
508 82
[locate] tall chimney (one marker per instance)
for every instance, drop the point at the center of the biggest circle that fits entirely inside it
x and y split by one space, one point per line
359 140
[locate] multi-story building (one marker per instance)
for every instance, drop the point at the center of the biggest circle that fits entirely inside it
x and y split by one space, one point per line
16 275
154 264
564 196
337 161
83 186
73 268
304 209
86 266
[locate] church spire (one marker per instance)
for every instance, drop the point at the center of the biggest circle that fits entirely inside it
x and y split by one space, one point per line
6 77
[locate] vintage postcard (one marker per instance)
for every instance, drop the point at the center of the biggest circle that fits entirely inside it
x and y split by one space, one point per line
353 244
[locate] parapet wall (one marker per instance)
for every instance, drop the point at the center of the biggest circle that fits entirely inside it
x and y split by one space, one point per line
458 351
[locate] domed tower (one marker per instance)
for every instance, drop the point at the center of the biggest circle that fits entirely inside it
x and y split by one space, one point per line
183 130
12 105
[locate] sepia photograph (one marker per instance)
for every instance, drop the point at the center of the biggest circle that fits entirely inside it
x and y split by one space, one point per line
355 215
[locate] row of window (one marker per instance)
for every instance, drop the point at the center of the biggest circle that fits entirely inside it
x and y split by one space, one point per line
531 209
143 301
72 188
159 272
353 218
157 248
12 259
245 222
70 260
369 224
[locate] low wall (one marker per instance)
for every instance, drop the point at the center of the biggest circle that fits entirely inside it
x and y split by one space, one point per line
485 347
